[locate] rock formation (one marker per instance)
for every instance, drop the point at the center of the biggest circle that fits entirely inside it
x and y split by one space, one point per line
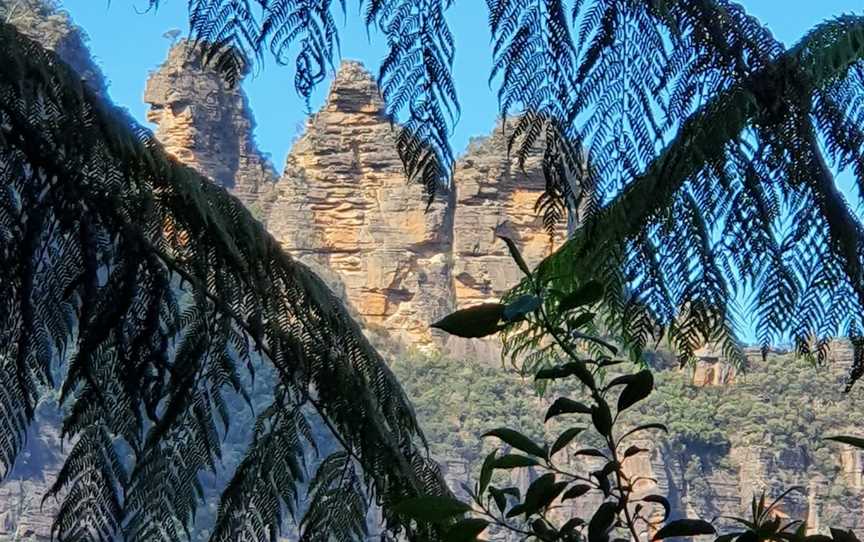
208 125
344 207
23 515
495 198
42 21
709 480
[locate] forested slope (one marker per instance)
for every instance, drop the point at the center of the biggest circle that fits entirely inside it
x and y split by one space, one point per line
731 434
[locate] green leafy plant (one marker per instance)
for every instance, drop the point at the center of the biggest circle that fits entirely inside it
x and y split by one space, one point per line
609 397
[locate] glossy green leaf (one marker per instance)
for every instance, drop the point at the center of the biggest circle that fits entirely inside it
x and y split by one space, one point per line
685 528
474 322
542 530
514 461
634 450
601 522
541 493
517 440
515 511
431 508
662 501
564 405
571 525
499 497
588 294
466 530
581 320
590 452
840 535
601 417
602 478
565 439
575 368
576 491
516 254
519 308
857 442
645 427
486 471
636 390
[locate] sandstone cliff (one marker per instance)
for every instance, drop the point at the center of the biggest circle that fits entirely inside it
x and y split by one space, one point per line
209 126
44 22
344 207
495 198
729 438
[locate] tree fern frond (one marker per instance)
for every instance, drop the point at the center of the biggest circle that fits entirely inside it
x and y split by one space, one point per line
338 504
750 162
167 287
416 77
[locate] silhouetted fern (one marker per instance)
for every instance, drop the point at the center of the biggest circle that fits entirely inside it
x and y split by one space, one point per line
415 78
660 124
150 290
706 139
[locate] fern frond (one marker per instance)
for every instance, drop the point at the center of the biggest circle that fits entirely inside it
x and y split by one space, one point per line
746 164
415 77
151 289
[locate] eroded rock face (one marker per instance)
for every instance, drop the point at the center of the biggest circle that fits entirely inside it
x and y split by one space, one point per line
344 207
495 198
208 125
42 21
23 515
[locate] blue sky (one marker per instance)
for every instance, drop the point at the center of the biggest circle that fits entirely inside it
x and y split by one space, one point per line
129 44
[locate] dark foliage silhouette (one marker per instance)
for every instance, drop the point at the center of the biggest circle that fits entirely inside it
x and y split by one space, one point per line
147 295
598 424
